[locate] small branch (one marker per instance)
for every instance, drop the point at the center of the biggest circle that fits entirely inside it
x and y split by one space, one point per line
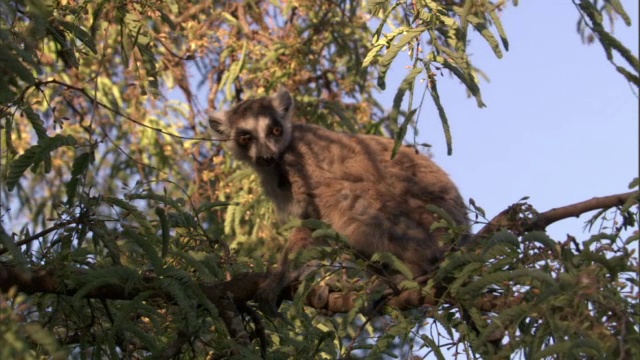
42 233
191 12
119 113
172 53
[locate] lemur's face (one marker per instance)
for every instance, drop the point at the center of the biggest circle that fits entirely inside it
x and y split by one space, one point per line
258 130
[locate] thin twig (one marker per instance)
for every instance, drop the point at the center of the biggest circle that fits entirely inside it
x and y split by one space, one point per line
42 233
119 113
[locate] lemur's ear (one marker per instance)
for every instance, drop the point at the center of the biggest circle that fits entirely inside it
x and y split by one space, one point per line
218 122
283 103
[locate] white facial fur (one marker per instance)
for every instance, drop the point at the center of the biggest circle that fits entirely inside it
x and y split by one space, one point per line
259 130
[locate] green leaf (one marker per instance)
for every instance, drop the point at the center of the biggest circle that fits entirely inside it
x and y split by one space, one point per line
148 195
81 163
167 19
477 208
402 132
7 242
468 81
383 21
71 188
457 261
326 233
506 318
481 25
495 278
502 237
17 67
36 122
44 339
632 78
542 238
433 346
147 247
80 34
381 43
433 90
619 9
498 23
34 155
202 271
405 85
94 279
394 49
138 215
149 63
442 213
181 219
79 167
614 264
574 348
211 205
165 233
230 19
232 75
608 41
463 275
390 259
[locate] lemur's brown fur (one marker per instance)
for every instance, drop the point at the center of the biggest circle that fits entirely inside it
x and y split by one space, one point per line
348 181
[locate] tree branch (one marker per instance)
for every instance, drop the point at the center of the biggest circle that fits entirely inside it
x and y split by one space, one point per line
231 295
45 280
228 295
556 214
510 218
38 235
119 113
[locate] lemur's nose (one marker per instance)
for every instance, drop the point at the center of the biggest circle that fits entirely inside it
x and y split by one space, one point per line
265 160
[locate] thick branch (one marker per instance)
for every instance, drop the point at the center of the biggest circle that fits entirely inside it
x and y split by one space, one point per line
549 217
225 295
45 280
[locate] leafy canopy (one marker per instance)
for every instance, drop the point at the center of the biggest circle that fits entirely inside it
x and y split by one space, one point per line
126 232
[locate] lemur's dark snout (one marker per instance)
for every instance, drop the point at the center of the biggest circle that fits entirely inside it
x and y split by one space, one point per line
265 160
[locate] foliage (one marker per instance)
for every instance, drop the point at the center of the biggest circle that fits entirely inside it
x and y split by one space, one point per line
121 220
20 335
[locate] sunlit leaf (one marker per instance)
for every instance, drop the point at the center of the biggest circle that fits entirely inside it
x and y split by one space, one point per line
482 27
619 9
34 155
80 34
387 59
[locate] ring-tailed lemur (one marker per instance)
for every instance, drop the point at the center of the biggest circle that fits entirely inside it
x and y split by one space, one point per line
348 181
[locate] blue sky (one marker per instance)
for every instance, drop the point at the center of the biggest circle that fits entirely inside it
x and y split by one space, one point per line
560 126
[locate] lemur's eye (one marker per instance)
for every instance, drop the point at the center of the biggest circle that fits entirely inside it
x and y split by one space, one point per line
244 140
276 131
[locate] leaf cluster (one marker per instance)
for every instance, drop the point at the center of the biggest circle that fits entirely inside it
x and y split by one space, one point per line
546 298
